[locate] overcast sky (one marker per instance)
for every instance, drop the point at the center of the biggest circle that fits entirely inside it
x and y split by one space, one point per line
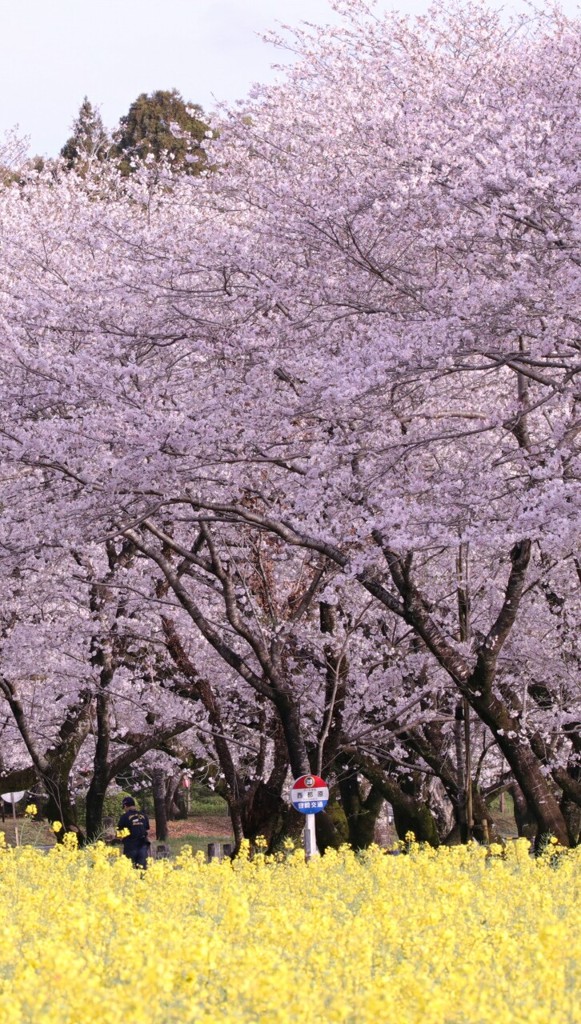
54 52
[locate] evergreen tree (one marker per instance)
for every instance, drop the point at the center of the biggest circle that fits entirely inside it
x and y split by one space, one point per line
163 123
89 141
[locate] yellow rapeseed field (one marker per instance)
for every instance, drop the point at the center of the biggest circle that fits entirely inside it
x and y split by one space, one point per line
458 936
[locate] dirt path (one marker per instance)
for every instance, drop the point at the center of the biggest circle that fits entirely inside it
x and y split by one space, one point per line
203 825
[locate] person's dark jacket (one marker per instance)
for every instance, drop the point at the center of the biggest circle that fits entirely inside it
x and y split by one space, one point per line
137 824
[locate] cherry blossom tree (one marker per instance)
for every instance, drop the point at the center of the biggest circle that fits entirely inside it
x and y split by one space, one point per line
358 337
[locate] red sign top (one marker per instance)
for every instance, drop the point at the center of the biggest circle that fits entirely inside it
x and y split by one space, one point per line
309 782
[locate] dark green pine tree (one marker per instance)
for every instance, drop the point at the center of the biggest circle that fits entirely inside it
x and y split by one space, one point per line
89 141
147 129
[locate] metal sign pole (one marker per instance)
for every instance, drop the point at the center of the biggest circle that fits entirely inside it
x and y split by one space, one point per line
310 837
16 842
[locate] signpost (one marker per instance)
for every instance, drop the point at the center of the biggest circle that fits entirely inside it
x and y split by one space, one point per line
309 795
13 798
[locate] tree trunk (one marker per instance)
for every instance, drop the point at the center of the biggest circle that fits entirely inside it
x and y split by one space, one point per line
572 815
97 791
290 719
172 805
527 769
261 811
570 804
477 684
94 803
409 813
236 821
413 816
60 807
331 826
17 779
362 821
525 821
158 789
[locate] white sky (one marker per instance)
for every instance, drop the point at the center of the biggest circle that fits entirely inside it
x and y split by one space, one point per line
54 52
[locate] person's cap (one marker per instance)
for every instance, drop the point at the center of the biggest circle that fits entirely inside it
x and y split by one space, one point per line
127 801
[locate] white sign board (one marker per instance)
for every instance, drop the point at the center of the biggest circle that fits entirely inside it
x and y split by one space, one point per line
12 798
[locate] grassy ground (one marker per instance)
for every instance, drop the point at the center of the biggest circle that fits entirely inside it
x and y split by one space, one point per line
503 814
197 842
197 832
30 833
209 824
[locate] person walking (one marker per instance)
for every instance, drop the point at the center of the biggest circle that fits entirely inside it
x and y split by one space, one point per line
132 828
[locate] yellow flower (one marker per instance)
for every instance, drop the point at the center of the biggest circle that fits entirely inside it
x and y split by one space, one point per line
57 826
122 833
414 939
31 810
